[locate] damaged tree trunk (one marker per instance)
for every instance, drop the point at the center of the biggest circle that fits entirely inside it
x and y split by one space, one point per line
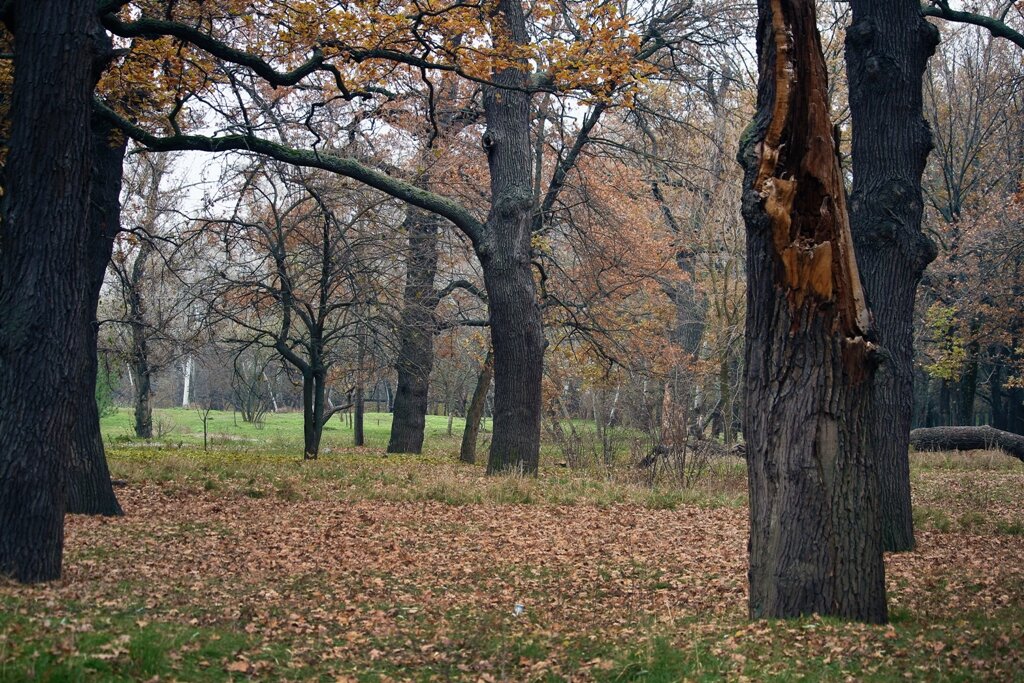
815 537
887 48
967 439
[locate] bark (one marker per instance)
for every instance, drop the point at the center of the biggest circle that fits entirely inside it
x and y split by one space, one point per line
88 480
1015 410
313 396
186 382
887 47
139 358
945 403
517 335
476 410
358 409
995 388
815 542
418 326
968 388
967 439
43 240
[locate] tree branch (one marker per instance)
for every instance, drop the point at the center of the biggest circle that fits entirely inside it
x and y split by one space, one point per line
344 166
462 284
999 29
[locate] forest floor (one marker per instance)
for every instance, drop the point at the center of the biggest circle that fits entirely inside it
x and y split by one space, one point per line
243 563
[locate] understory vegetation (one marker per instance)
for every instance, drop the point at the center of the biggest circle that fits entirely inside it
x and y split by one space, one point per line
244 561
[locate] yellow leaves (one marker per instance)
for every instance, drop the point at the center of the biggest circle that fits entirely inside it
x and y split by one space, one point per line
950 351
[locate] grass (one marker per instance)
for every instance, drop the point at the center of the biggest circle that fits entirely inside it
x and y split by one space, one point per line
281 433
246 562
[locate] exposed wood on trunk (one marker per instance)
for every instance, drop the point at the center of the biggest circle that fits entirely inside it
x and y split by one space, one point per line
815 539
967 439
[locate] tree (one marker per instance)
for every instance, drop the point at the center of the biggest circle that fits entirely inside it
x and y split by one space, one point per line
43 241
151 263
996 24
973 104
887 48
302 270
815 535
594 51
89 490
418 327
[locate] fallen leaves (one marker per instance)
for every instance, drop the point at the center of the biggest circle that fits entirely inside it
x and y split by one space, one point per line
342 587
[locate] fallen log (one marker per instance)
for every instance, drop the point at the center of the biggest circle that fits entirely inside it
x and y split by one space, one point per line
967 439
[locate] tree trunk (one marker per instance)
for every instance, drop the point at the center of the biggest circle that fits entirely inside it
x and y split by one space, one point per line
140 350
517 334
88 480
945 403
1015 410
186 383
887 47
967 439
968 388
476 410
418 326
996 392
44 236
312 413
815 541
358 438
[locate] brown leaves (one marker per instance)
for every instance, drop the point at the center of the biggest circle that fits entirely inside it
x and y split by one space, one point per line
340 588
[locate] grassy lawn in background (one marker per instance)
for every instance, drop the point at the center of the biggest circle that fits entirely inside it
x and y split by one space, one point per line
244 562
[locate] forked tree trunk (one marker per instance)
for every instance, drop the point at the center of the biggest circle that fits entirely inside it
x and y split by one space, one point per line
517 334
887 48
43 283
476 410
88 480
815 543
313 397
418 326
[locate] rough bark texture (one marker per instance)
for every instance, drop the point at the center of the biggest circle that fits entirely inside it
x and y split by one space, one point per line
517 334
88 480
476 410
815 542
43 239
887 47
418 326
967 439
